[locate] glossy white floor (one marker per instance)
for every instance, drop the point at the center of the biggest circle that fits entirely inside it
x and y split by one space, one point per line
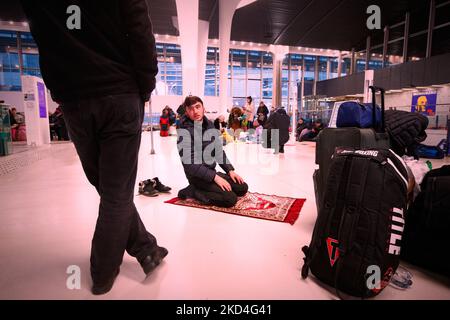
48 212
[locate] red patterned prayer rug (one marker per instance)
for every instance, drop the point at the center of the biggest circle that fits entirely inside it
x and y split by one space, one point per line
256 205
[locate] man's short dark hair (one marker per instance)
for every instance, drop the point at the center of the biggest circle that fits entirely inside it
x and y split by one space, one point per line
191 100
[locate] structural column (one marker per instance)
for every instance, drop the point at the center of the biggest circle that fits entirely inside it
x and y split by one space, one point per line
406 38
226 12
188 26
278 54
203 32
430 28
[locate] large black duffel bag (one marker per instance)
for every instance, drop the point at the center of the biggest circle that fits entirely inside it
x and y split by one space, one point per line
428 224
360 222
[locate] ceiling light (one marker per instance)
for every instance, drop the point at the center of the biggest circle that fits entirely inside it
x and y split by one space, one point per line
25 24
242 43
156 35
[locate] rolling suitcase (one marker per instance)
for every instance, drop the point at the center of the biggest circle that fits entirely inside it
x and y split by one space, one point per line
330 138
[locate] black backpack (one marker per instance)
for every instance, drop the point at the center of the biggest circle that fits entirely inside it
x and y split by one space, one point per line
428 224
360 222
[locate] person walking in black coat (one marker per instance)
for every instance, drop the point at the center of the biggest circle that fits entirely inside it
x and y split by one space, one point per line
280 121
206 184
99 62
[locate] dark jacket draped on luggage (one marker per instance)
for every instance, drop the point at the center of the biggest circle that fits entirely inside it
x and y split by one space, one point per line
194 166
112 53
406 130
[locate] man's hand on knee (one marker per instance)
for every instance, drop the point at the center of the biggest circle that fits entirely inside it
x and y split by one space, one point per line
222 183
235 177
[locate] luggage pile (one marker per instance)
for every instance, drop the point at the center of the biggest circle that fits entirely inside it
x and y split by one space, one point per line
364 226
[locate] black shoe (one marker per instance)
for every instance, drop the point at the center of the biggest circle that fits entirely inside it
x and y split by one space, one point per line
147 188
106 287
160 187
152 261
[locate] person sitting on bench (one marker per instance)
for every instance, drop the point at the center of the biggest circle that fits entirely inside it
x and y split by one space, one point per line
205 184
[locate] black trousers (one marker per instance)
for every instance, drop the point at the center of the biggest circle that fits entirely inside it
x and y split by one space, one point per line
211 193
107 135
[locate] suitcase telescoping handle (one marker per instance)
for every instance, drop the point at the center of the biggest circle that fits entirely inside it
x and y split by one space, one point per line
374 116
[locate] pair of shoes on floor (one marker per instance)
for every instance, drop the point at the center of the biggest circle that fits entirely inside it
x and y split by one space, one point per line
150 262
152 187
98 289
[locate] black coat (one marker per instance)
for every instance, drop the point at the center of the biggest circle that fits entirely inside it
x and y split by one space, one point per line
406 129
112 53
281 121
200 169
261 115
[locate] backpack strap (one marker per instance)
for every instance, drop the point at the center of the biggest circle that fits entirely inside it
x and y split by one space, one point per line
323 225
354 194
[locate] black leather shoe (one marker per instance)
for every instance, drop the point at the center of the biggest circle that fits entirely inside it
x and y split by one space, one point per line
152 261
147 188
98 289
160 187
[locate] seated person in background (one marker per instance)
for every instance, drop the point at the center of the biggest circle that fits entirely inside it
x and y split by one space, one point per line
220 123
205 184
235 121
312 134
301 125
281 121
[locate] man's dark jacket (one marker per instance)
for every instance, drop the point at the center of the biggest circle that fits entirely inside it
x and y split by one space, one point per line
112 53
200 169
281 121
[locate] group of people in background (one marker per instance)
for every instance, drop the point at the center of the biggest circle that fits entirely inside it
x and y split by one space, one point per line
308 130
245 118
242 119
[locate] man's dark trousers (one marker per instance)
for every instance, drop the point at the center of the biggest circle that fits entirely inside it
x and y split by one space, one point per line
106 132
211 193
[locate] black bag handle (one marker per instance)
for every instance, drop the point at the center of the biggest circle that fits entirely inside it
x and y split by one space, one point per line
374 90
